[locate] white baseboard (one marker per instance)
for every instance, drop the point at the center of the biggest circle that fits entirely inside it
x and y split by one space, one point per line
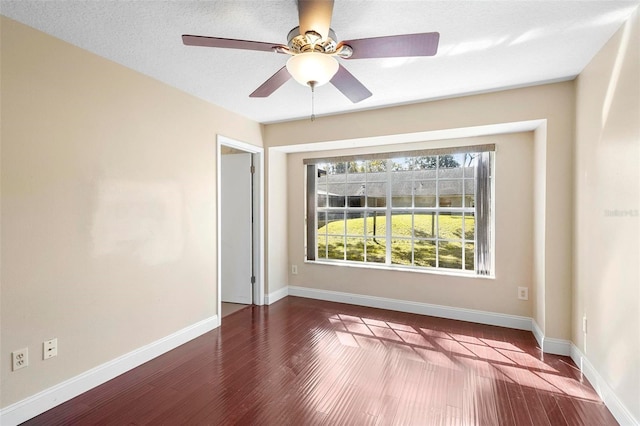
537 333
276 295
62 392
556 346
611 400
549 345
481 317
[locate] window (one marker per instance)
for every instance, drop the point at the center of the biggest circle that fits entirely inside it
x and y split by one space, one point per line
426 209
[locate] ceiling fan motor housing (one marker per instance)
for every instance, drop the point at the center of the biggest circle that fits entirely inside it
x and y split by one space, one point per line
311 41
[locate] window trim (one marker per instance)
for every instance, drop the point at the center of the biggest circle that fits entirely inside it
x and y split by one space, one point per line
395 154
399 268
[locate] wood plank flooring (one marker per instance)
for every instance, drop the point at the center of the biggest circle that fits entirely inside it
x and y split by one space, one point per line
302 361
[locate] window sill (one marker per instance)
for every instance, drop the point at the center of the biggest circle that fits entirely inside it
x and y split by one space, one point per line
397 268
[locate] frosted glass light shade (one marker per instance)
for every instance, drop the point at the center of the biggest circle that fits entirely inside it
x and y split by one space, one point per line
312 66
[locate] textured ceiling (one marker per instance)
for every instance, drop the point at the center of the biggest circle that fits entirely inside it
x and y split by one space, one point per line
484 45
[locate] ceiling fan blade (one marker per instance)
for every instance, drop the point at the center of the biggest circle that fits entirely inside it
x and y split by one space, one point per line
272 84
315 15
350 86
228 43
422 44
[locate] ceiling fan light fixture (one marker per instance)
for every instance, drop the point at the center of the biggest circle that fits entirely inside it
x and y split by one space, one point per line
314 67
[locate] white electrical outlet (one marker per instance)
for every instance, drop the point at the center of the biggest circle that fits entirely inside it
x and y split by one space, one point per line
20 359
49 348
523 293
294 269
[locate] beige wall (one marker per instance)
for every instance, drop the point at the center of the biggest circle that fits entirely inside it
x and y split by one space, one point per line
108 208
514 238
553 175
607 225
277 217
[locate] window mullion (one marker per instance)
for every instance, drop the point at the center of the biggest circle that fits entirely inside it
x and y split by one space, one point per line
413 216
463 237
388 213
464 222
365 215
437 233
345 211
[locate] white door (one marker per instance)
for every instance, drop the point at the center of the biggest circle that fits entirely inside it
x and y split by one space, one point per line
236 228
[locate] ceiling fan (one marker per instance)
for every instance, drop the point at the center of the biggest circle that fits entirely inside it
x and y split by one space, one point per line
313 49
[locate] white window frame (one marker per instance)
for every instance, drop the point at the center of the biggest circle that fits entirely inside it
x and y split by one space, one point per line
389 209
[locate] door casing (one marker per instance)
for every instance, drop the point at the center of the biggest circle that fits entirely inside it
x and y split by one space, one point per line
258 215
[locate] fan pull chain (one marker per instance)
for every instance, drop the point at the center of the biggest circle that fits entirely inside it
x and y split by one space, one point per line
312 84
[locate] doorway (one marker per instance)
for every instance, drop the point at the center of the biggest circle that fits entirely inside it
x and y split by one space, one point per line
240 210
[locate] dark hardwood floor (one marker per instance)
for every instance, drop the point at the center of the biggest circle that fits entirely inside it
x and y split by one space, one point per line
302 361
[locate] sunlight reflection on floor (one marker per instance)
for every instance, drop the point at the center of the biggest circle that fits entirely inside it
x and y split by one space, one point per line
444 351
